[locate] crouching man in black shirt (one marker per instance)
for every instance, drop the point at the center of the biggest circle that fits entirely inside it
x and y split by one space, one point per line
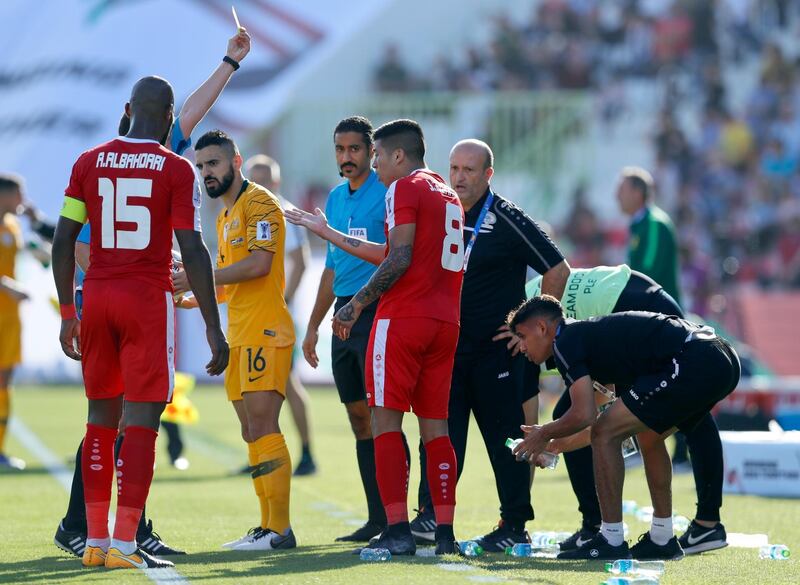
668 372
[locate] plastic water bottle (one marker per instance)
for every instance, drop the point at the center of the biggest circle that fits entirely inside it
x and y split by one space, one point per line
775 552
550 459
631 581
644 514
548 539
375 555
520 549
680 523
512 443
629 506
471 549
526 549
634 567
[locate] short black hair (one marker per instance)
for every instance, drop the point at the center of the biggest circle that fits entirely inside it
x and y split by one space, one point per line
358 124
217 138
10 182
545 306
405 135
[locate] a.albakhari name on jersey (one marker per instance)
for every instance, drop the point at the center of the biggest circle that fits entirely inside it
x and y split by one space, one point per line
133 160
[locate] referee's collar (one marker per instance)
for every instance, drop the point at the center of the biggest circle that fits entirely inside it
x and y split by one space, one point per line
373 176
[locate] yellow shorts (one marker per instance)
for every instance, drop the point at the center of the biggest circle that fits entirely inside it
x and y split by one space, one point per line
253 368
10 341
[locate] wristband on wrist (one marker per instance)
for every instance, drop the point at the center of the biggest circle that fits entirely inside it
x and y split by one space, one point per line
68 312
232 62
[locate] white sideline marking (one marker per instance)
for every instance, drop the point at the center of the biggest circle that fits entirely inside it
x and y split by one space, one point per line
62 475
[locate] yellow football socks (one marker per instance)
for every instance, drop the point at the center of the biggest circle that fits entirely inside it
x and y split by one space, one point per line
4 414
275 471
258 484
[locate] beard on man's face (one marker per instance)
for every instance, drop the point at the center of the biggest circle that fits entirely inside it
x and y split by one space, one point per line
218 188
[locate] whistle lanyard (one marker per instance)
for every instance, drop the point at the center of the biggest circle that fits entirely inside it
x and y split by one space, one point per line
476 230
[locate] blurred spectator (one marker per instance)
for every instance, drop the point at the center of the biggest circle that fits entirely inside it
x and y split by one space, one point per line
391 75
727 169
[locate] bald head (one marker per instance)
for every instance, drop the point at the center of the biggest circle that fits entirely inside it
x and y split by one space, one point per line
150 108
471 163
475 148
263 170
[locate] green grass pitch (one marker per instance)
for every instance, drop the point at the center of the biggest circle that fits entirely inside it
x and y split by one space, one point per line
207 505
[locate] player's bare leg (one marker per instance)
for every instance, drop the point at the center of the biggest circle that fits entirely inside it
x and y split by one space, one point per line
658 469
660 541
272 467
360 419
613 426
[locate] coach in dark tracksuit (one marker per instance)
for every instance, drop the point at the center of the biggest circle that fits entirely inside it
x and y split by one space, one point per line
487 380
592 292
669 373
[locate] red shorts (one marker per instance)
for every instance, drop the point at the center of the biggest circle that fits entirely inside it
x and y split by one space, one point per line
128 341
410 363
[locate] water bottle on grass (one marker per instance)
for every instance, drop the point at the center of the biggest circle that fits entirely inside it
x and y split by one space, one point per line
775 552
634 567
375 555
471 549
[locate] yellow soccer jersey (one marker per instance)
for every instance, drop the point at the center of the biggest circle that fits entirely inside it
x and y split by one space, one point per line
257 311
10 244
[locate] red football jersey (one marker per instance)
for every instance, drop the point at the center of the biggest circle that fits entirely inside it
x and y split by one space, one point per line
136 193
431 287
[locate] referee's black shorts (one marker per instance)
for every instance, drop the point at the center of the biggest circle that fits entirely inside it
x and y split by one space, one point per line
686 388
347 357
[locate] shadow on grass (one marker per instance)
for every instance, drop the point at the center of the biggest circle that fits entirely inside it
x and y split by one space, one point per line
314 559
180 478
47 569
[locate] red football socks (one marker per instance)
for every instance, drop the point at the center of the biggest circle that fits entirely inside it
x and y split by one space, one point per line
392 473
442 477
97 466
134 474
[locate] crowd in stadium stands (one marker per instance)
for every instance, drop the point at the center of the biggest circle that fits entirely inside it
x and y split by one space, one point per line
731 185
580 44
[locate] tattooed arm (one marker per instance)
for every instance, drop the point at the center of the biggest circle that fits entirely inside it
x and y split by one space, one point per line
317 223
397 261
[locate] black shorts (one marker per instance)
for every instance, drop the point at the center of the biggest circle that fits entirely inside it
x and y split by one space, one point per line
687 388
642 293
347 357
